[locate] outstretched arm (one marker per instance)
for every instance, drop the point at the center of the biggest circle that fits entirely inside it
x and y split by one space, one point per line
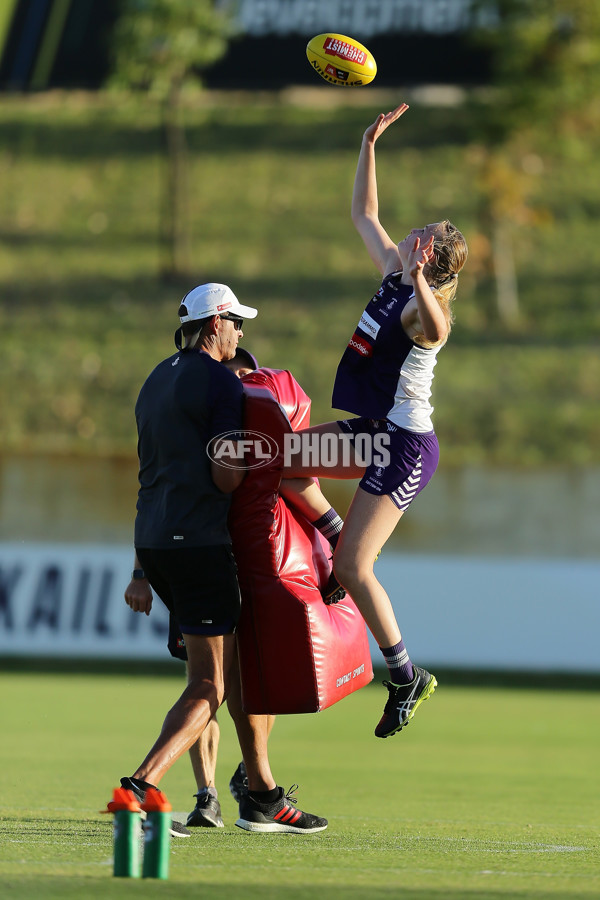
365 205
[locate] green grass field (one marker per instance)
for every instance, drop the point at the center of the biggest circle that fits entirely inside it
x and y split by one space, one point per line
489 793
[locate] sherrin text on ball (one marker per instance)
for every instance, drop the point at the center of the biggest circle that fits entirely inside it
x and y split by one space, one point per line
341 60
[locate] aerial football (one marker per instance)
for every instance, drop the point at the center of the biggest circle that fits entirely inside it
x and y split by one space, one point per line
341 60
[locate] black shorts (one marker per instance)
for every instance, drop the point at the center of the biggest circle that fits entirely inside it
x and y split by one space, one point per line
198 585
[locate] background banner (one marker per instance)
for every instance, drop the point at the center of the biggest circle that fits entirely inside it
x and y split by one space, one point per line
59 600
67 601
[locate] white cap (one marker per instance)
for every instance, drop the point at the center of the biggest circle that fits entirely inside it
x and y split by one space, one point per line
212 300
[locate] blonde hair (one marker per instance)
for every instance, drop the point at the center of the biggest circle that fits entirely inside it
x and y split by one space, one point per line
451 252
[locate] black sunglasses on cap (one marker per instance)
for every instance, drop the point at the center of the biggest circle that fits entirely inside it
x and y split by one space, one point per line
237 323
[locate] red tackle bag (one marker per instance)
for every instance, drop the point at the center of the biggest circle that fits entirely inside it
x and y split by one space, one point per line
297 655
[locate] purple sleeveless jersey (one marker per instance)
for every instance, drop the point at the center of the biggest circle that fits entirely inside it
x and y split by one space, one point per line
385 379
383 373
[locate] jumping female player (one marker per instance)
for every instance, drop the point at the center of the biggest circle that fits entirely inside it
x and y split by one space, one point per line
384 378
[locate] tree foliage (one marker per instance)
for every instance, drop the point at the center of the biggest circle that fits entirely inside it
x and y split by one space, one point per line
544 60
161 47
545 63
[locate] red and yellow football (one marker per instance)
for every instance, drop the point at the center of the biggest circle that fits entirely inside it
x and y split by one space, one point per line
341 60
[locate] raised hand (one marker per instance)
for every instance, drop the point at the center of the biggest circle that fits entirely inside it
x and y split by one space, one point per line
383 121
419 256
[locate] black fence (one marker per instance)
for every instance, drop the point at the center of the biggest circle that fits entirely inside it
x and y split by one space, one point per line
66 43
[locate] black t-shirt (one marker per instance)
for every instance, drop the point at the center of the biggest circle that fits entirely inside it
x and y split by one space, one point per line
187 400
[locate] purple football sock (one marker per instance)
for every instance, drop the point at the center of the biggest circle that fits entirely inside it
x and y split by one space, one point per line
330 526
398 663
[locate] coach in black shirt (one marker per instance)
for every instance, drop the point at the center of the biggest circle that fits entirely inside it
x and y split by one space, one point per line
183 547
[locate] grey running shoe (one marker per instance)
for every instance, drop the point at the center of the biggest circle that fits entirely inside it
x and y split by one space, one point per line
177 829
281 816
207 813
403 702
239 783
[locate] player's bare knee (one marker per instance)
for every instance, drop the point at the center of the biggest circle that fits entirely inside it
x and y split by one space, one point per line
202 688
345 571
351 571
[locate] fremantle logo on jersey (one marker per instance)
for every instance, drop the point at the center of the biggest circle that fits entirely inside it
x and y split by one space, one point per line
360 345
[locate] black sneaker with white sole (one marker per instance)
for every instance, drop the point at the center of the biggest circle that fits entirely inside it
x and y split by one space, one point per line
177 829
207 812
281 816
239 783
403 701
